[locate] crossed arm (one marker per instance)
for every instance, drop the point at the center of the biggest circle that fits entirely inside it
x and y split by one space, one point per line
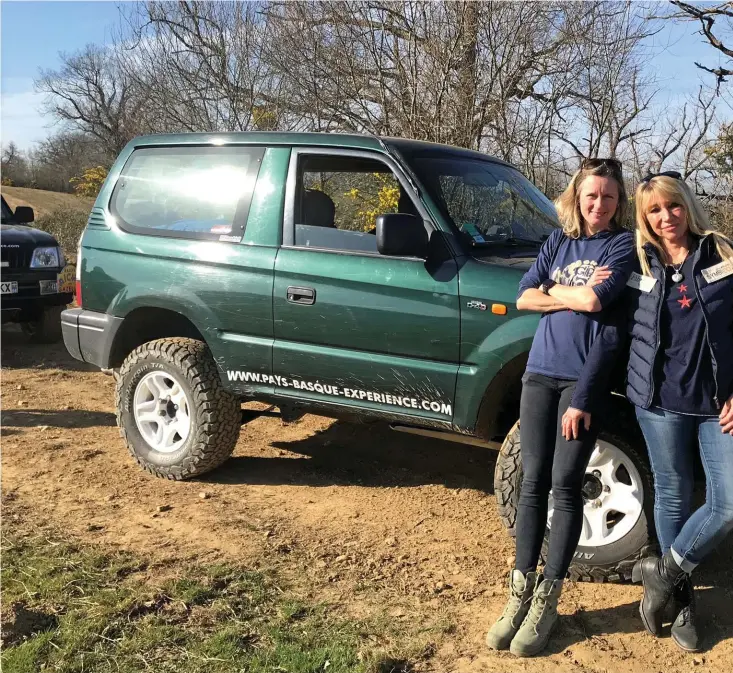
562 297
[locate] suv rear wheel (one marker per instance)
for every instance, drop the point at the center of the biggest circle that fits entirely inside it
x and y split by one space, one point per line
175 417
618 497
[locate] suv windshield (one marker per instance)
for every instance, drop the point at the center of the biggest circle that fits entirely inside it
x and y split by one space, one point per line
488 201
7 214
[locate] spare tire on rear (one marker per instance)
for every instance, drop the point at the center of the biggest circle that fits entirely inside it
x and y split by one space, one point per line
174 415
618 493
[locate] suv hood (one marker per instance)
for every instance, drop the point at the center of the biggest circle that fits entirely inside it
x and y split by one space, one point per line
16 235
522 263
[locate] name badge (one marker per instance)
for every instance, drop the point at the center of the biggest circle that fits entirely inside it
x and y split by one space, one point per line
718 271
643 283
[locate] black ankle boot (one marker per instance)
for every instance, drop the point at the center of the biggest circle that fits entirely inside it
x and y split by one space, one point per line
659 576
684 628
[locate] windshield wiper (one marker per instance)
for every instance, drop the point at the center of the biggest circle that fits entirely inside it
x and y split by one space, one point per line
510 240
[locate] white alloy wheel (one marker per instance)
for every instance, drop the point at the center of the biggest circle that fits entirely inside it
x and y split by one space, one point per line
613 495
162 411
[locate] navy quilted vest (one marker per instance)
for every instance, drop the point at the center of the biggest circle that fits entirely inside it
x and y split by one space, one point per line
716 300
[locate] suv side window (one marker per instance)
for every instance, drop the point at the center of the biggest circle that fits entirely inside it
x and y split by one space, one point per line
187 192
339 198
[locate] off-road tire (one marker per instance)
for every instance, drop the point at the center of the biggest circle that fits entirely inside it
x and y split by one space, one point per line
215 413
638 543
46 328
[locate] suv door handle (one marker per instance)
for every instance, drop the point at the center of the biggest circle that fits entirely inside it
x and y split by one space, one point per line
301 295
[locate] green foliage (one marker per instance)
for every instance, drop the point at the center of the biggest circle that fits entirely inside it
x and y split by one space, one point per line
70 608
67 225
90 181
265 117
359 198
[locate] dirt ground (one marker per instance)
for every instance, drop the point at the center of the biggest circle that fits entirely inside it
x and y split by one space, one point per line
354 514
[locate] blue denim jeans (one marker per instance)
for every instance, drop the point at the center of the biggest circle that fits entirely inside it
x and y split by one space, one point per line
672 441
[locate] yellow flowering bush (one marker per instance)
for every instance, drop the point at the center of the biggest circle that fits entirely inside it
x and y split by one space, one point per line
371 204
90 181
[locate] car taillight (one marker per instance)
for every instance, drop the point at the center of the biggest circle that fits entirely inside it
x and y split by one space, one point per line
77 289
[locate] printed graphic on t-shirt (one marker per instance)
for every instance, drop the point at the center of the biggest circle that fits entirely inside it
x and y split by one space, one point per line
575 274
684 301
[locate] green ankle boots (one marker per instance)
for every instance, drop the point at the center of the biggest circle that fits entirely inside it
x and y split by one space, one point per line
529 616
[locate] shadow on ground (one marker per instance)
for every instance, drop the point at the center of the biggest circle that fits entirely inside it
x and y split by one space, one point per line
366 455
19 353
67 418
715 622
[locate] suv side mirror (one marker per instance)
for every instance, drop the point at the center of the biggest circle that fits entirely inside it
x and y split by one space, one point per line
401 235
23 214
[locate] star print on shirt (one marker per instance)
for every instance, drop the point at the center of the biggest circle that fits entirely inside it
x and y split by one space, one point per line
684 302
682 288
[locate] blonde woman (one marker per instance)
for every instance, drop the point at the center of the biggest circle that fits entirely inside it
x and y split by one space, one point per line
680 377
579 272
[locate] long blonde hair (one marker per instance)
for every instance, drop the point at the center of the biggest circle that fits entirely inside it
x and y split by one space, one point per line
568 203
673 189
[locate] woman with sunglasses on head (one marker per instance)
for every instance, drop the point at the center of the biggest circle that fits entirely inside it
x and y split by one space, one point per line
579 272
680 377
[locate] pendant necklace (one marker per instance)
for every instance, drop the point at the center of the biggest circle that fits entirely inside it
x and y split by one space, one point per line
677 276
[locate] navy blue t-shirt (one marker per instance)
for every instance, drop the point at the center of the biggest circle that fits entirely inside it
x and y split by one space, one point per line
564 339
684 366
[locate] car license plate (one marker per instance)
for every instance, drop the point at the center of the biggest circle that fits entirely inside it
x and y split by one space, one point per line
48 286
67 279
9 287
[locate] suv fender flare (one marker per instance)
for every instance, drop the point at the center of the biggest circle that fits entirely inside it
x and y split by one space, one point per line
490 368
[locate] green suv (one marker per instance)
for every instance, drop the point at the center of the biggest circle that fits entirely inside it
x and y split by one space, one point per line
353 276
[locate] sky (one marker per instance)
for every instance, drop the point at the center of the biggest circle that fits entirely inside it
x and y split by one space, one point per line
31 36
32 33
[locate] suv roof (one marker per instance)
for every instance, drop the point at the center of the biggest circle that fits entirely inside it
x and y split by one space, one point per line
350 140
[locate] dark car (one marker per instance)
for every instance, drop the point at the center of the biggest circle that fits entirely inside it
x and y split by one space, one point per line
32 261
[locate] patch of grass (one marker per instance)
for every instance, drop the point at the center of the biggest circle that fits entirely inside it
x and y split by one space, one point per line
43 201
72 608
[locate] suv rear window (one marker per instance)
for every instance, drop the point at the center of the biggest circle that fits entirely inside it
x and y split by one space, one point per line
187 192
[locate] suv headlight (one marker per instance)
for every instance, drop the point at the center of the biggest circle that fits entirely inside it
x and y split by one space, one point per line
47 258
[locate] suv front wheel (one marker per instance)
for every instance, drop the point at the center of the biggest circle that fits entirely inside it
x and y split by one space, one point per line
175 417
618 497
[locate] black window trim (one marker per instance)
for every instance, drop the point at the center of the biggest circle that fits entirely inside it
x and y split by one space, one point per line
241 213
291 187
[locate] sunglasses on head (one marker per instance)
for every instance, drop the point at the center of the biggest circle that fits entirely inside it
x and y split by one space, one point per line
666 174
613 164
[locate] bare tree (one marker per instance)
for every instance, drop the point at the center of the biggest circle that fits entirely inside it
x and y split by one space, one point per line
707 15
686 137
92 95
200 65
610 93
13 165
538 84
441 71
62 156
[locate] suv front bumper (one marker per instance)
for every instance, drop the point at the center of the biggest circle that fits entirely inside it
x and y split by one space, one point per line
89 335
28 301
